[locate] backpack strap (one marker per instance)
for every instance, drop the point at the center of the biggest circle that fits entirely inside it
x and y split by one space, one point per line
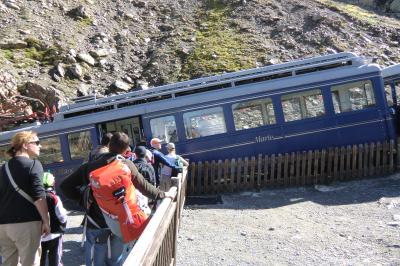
15 186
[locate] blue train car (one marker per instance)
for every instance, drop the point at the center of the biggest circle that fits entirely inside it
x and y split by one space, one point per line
313 103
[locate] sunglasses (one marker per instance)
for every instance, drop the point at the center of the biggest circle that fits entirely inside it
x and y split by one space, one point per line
37 142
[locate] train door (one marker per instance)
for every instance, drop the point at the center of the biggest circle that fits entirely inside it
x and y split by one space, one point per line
392 90
131 126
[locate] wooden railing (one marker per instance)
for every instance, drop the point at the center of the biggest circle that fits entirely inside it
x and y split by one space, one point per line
293 169
158 242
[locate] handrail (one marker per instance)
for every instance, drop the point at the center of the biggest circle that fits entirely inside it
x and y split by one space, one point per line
158 241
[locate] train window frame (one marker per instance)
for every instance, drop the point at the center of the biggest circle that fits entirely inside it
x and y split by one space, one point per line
396 85
302 102
45 157
388 94
193 132
266 114
167 137
339 92
87 150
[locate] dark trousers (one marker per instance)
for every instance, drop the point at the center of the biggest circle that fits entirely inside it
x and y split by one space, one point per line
52 250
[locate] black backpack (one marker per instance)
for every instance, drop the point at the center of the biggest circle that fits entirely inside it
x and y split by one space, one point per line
55 225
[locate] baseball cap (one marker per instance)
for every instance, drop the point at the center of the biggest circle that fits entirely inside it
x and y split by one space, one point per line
140 151
170 146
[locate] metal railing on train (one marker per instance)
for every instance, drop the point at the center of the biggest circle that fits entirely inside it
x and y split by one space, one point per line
158 243
294 169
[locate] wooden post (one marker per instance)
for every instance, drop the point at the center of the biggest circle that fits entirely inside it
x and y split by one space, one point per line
329 175
245 173
279 170
252 172
199 178
336 171
206 177
354 161
226 175
360 160
259 172
348 162
267 175
371 159
292 180
219 186
342 161
298 168
323 170
239 174
303 168
273 163
392 152
192 190
233 174
316 166
286 180
212 175
309 167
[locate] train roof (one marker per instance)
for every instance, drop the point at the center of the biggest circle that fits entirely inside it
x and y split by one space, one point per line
311 70
391 71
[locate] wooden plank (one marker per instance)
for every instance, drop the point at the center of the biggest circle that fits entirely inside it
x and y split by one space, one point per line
239 174
252 172
323 169
342 163
378 159
292 179
298 168
354 154
220 166
316 167
303 168
206 177
398 154
371 159
366 159
213 177
336 155
259 171
199 185
273 165
385 157
192 179
245 176
286 180
279 170
360 161
309 168
226 175
329 169
267 173
232 184
391 156
348 162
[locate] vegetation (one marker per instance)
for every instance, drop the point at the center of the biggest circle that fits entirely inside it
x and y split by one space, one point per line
219 48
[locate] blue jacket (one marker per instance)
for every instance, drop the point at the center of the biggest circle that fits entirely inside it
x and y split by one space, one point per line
159 158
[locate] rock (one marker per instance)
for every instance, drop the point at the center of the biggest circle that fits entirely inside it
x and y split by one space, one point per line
25 32
120 85
99 53
59 68
76 70
48 95
87 58
12 5
55 77
142 84
78 12
13 44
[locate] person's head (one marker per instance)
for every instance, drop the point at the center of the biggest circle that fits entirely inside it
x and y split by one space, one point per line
170 147
105 140
155 143
48 180
119 143
25 143
140 152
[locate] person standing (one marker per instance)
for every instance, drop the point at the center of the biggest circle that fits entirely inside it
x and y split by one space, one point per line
100 149
159 158
24 215
166 172
52 244
98 232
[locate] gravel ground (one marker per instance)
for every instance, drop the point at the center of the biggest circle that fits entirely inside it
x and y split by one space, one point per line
352 223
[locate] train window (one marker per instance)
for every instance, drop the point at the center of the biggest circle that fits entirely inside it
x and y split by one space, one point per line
397 89
80 144
302 105
253 114
164 128
205 122
353 96
3 154
389 96
50 151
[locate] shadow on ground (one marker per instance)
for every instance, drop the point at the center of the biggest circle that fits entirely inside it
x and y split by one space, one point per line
341 193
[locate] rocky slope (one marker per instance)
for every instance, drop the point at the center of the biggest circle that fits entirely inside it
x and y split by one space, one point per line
55 50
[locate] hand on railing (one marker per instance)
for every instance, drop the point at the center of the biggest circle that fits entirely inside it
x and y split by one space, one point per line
170 194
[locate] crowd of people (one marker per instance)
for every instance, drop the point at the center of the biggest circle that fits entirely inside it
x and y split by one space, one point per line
33 219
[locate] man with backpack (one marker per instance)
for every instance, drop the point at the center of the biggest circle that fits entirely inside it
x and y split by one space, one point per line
103 247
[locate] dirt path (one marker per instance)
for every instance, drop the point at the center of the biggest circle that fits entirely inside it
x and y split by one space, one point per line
353 223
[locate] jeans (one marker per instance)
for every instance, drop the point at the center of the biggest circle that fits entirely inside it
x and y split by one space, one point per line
101 250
